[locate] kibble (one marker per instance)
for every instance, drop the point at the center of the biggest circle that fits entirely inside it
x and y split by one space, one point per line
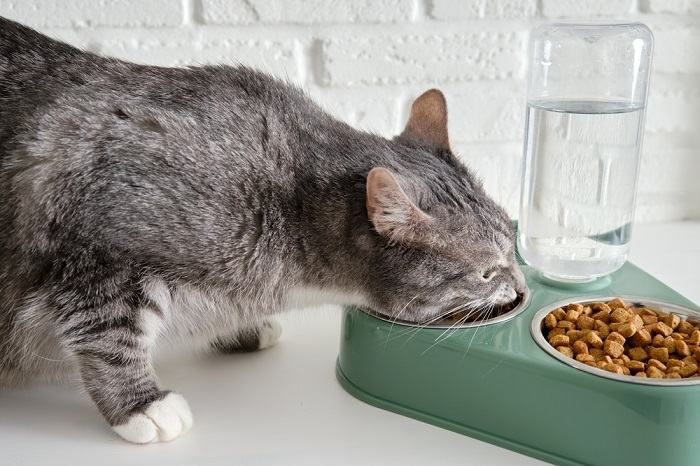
670 344
559 340
602 328
648 320
688 370
574 335
613 348
658 341
617 302
614 336
620 315
612 367
662 329
675 363
566 324
659 353
572 315
671 320
626 339
580 347
556 331
636 366
627 330
585 323
641 338
694 337
685 327
638 354
550 321
566 350
594 340
656 363
682 348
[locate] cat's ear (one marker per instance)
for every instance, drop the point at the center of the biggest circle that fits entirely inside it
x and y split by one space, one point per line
427 123
390 210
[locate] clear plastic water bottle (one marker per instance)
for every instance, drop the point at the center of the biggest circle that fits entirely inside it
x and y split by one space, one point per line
587 94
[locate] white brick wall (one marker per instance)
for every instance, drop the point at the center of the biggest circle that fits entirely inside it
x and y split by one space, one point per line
365 60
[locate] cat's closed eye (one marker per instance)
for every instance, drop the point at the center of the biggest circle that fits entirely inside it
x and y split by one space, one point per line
488 274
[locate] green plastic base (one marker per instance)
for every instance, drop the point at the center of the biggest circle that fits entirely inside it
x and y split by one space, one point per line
495 384
360 394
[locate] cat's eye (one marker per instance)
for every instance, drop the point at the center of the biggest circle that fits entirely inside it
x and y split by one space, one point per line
488 274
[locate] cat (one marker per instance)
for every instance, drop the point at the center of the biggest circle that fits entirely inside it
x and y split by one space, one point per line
143 204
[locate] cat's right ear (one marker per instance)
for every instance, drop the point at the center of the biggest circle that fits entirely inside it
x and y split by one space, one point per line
427 124
392 213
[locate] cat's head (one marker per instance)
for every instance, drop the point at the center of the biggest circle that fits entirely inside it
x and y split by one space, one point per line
439 242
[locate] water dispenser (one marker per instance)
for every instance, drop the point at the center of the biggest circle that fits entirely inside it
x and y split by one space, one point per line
587 94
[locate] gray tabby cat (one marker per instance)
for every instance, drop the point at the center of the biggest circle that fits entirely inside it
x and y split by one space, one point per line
140 204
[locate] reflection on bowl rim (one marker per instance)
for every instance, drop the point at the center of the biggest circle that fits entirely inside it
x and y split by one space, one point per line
654 304
522 305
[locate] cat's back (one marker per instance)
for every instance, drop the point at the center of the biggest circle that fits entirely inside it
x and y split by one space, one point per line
34 66
47 86
89 141
25 52
34 70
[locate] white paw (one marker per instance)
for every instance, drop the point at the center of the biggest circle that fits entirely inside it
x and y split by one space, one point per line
164 420
269 334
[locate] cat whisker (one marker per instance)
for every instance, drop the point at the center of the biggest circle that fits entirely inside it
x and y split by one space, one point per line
486 315
461 320
442 315
457 322
454 327
397 318
414 330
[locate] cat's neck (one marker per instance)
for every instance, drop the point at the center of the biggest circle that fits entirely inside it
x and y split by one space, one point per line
331 245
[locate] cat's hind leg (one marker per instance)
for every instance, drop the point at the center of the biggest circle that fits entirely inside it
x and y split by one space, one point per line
258 337
110 329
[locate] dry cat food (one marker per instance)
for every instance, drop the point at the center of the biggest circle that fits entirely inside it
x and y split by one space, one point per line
626 339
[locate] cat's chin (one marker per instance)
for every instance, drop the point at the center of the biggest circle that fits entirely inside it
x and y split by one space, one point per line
509 305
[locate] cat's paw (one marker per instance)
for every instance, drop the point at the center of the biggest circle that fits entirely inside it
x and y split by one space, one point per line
162 421
269 335
262 336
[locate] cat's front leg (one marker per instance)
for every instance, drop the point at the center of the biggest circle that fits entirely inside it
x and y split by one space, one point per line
247 339
113 346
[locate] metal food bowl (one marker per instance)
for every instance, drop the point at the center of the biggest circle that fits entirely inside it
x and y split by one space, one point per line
445 323
681 311
502 383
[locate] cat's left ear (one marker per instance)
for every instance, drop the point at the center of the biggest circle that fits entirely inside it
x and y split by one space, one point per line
390 210
427 124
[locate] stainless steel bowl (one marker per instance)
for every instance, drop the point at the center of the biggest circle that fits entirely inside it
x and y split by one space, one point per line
444 324
538 322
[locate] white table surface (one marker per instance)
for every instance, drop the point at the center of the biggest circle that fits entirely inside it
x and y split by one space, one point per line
283 406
